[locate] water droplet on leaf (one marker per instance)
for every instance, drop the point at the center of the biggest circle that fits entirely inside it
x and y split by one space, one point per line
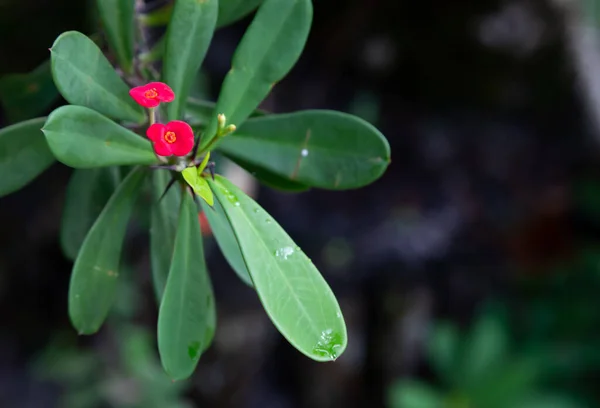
329 344
304 152
284 252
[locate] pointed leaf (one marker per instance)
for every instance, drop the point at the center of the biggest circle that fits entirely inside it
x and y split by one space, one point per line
269 49
290 288
163 226
117 19
221 229
82 138
186 319
318 148
188 36
231 11
87 194
198 184
94 276
25 96
24 154
84 77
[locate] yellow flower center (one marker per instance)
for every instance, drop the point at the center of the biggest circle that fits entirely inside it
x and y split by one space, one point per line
170 137
151 93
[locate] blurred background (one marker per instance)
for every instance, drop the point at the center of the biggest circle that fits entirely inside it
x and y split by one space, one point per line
469 274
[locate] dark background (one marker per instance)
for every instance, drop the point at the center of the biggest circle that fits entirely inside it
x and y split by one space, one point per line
489 204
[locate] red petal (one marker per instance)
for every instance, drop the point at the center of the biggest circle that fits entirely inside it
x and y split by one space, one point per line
182 146
156 132
181 129
162 148
137 94
165 93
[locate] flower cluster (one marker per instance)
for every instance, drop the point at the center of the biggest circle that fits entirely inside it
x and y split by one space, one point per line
174 138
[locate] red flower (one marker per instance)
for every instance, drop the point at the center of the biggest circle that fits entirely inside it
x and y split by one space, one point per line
176 137
152 94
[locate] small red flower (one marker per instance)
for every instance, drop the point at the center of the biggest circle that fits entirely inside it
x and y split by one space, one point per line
152 94
176 137
204 225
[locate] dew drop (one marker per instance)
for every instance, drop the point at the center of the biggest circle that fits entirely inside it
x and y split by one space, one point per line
329 344
268 221
284 252
304 152
339 315
256 210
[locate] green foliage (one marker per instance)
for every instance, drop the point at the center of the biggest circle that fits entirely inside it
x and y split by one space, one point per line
163 226
323 149
102 135
96 269
84 77
291 289
24 154
118 21
82 138
87 194
478 369
188 37
187 317
269 49
221 228
25 96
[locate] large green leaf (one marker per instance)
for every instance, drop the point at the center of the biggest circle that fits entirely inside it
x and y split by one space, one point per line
269 49
231 11
188 36
319 148
94 276
163 226
187 317
117 18
25 96
291 289
221 229
87 194
24 154
82 138
84 77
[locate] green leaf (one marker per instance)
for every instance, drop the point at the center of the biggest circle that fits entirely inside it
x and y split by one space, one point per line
269 49
163 226
186 319
24 96
317 148
188 36
87 194
82 138
292 291
24 154
94 276
198 184
85 77
269 178
118 21
442 350
231 11
225 237
413 394
484 350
